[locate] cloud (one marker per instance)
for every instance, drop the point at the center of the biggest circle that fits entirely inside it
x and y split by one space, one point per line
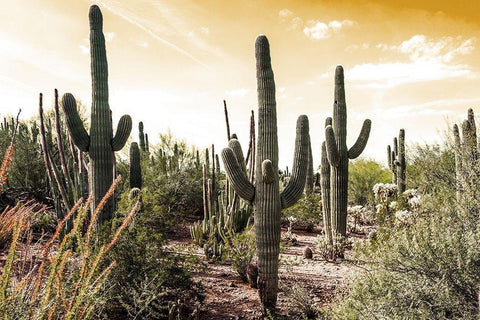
318 30
240 92
418 59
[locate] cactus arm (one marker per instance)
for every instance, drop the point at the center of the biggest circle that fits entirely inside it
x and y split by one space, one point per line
328 121
332 151
309 179
361 142
293 191
237 176
75 125
325 186
389 157
123 132
268 174
234 144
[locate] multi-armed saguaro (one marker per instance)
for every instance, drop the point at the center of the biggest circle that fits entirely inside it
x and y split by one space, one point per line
100 143
339 155
265 194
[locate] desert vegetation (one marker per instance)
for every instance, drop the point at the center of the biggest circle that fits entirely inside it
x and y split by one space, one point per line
169 231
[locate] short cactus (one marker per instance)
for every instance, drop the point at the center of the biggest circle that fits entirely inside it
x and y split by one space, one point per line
141 137
309 183
265 194
339 155
100 143
325 188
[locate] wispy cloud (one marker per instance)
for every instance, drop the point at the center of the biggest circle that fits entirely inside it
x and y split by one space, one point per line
240 92
132 19
417 59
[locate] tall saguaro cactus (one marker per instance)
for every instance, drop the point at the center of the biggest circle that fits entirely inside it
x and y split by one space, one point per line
339 155
141 137
265 194
135 167
100 143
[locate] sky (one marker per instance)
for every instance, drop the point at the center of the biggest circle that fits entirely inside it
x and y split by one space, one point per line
408 64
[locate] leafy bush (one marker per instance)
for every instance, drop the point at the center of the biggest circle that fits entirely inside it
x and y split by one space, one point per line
147 277
304 214
363 174
427 269
240 249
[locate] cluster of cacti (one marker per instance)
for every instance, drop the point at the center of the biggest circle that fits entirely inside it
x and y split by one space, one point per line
67 179
466 152
338 156
264 193
224 212
396 161
100 143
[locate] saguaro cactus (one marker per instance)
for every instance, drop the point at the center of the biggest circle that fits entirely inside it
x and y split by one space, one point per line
135 167
396 161
467 149
265 194
339 155
141 137
99 143
325 187
309 180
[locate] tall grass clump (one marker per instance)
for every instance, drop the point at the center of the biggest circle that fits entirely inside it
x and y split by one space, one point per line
427 269
67 281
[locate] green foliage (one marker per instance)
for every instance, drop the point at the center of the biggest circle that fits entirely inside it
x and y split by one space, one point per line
147 277
363 174
28 170
431 170
306 212
240 249
427 269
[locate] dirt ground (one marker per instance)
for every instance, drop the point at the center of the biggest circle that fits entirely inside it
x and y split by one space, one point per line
227 297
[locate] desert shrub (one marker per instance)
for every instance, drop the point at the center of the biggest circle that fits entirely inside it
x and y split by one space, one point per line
332 251
422 270
147 278
304 214
240 249
363 174
300 301
431 170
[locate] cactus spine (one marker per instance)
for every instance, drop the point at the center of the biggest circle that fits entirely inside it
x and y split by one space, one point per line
265 195
100 143
339 155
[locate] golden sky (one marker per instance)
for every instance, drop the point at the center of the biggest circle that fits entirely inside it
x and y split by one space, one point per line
408 64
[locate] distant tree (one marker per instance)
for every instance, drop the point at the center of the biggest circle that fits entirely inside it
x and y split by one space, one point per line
363 174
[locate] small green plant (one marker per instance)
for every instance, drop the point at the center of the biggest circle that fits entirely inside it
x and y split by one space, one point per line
240 249
300 301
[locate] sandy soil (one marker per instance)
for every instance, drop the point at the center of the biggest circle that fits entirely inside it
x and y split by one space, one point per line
227 297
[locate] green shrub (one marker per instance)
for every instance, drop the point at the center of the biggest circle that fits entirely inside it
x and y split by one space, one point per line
240 249
363 174
304 214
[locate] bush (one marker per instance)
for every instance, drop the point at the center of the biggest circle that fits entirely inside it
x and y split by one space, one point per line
427 269
147 277
362 176
304 214
240 249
